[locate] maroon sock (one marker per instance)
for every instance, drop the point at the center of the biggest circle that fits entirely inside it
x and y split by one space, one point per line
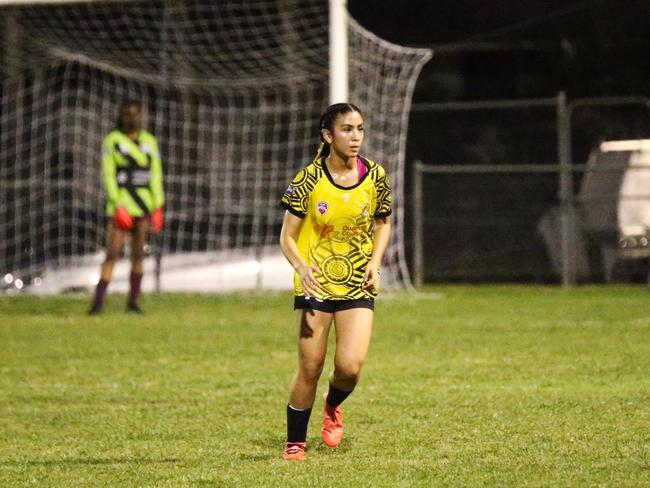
100 291
134 279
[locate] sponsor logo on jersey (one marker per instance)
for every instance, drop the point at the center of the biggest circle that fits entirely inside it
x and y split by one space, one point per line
140 177
351 231
122 177
322 207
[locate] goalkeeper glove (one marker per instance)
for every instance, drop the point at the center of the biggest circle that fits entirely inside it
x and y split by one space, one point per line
157 220
122 219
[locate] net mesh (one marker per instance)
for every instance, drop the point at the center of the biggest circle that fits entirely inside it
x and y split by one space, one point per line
232 90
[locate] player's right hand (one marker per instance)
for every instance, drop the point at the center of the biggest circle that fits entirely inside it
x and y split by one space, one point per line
123 220
157 220
310 285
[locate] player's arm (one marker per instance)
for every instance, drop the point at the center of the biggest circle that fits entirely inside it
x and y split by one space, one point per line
157 177
156 187
289 243
382 236
382 231
109 170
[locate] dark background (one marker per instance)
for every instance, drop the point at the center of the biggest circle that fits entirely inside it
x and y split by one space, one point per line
477 226
523 48
486 227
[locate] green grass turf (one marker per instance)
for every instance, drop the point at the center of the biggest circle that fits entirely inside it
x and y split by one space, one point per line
464 386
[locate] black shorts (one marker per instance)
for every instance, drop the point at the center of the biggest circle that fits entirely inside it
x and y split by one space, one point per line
331 306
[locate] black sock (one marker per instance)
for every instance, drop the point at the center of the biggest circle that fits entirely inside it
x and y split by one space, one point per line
335 396
297 421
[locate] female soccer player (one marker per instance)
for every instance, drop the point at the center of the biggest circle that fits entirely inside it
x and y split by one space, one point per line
335 231
132 174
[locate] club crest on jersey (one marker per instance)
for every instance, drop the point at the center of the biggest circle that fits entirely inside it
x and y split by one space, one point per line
322 207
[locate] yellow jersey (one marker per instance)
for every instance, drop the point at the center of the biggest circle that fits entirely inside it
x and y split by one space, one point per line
337 232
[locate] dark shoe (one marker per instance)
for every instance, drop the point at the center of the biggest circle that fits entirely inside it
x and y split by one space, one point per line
133 308
95 310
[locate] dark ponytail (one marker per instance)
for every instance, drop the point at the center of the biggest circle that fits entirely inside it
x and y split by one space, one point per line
327 122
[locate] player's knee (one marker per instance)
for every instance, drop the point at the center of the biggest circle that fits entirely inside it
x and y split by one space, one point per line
137 255
348 372
311 370
111 257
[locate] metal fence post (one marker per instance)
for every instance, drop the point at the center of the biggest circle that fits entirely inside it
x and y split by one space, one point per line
418 223
566 191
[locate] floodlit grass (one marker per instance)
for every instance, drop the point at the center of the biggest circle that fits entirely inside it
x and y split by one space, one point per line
464 386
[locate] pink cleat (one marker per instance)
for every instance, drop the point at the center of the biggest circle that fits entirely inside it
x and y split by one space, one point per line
332 431
295 451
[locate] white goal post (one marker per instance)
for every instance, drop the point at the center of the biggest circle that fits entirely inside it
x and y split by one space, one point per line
232 90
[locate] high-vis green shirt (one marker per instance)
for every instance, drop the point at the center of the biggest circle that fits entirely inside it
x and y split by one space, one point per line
132 173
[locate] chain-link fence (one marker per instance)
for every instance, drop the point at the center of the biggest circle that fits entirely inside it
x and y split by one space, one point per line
501 190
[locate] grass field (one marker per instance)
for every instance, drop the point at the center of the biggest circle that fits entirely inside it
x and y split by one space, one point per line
464 386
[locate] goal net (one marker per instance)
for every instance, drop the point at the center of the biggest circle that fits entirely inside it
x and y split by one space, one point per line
233 92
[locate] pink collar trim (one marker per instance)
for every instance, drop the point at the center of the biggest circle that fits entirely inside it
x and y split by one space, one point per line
362 169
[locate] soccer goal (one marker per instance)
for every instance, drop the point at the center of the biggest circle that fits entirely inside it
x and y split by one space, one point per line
232 90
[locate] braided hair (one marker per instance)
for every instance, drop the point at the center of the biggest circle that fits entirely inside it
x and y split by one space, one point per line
327 122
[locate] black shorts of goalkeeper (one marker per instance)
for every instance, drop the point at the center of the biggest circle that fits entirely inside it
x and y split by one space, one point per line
331 306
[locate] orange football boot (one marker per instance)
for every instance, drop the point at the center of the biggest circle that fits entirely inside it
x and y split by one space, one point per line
332 431
295 451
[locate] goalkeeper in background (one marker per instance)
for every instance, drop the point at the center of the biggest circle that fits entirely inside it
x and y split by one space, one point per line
132 174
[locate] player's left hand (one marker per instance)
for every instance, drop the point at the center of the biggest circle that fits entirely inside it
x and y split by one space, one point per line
122 219
157 220
371 278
